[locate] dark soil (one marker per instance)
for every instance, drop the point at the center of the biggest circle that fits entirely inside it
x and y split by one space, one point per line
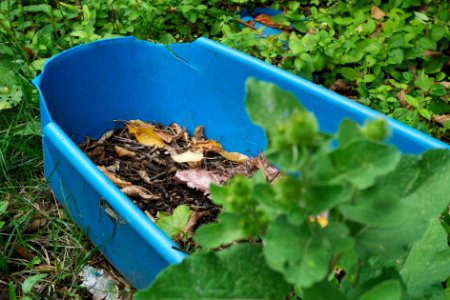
154 169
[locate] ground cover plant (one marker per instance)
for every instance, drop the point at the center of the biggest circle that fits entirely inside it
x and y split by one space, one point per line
390 55
358 221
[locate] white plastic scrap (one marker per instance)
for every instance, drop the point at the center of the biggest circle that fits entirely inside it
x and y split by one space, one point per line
99 283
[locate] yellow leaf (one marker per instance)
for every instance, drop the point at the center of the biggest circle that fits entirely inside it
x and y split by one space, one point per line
145 134
234 156
188 156
208 146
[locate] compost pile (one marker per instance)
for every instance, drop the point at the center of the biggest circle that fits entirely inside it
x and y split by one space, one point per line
161 167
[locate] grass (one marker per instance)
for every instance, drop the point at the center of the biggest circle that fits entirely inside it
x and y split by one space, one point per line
38 236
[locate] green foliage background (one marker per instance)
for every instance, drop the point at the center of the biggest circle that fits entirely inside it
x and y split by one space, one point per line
397 64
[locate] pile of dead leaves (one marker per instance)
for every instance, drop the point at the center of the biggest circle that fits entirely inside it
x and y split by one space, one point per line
161 167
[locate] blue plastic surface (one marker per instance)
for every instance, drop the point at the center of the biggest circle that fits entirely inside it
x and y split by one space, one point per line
82 90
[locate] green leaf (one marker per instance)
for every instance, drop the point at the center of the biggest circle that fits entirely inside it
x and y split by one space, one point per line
396 56
437 90
294 252
236 272
322 291
421 16
45 8
267 104
412 101
361 162
28 283
3 207
321 198
11 92
423 81
422 185
173 224
27 129
387 290
428 263
349 73
349 131
225 231
375 207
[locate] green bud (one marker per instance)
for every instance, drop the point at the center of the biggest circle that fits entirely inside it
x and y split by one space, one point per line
376 129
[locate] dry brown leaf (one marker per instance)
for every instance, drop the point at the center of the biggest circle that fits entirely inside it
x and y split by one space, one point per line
164 135
198 133
234 156
149 215
179 132
145 133
188 156
446 84
339 86
116 180
144 176
431 53
35 224
208 146
139 191
189 228
270 172
199 179
105 136
122 152
442 118
377 13
266 20
45 268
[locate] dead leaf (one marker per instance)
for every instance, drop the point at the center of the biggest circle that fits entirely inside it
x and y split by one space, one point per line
139 191
105 136
208 146
270 172
116 180
145 133
199 179
431 53
266 20
164 135
45 268
401 98
446 84
149 215
312 31
189 228
340 86
442 118
234 156
188 156
122 152
179 132
144 176
359 28
377 13
198 133
35 225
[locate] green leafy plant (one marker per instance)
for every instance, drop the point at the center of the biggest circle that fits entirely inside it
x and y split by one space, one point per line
174 224
382 237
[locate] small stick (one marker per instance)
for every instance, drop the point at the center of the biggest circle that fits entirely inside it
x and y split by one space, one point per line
246 24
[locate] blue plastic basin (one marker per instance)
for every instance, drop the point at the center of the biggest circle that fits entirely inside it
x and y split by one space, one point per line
82 90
